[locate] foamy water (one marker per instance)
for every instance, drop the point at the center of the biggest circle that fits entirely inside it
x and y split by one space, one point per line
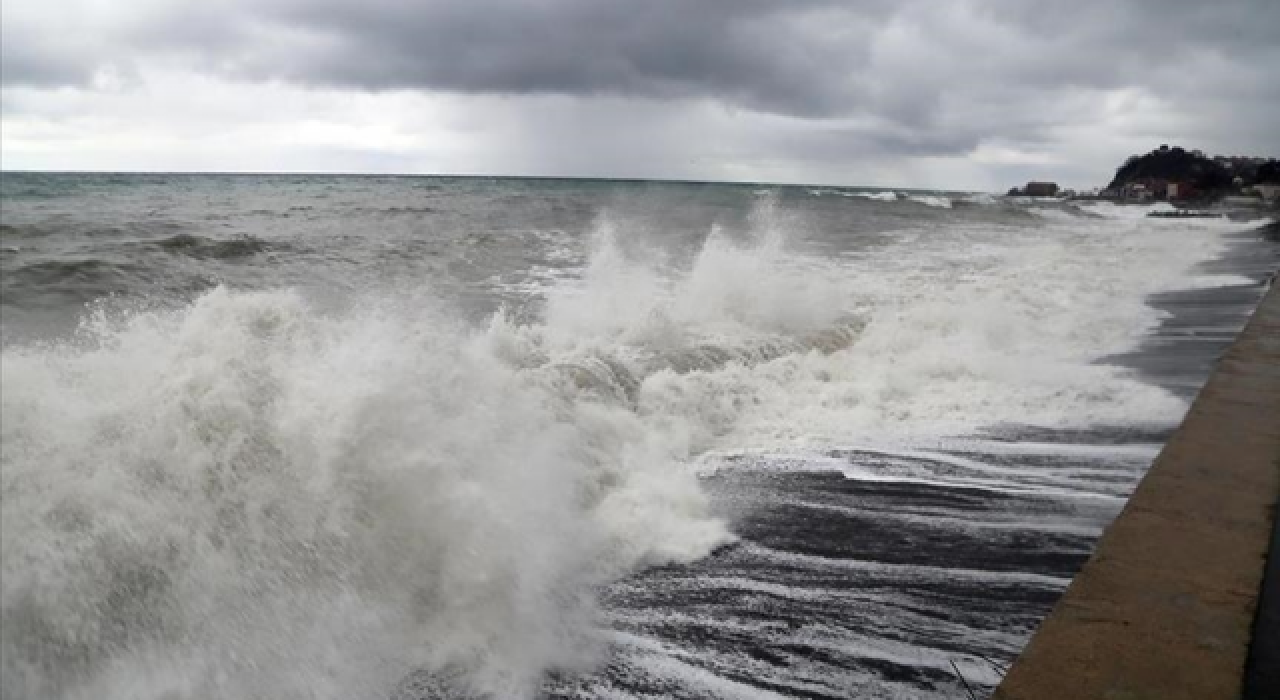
258 492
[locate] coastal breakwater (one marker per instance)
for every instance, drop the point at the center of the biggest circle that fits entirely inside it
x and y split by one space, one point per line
1165 608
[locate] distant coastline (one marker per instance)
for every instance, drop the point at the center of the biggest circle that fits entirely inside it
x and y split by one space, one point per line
1188 180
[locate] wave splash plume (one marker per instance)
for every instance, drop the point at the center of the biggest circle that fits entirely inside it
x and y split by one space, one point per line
256 487
250 497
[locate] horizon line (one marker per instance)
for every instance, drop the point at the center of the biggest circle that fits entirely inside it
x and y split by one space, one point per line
475 176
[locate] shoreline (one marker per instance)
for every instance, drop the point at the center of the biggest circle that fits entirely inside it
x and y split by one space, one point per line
1200 324
1164 608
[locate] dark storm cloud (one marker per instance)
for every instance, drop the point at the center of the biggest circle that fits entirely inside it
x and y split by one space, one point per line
910 63
763 54
807 57
790 57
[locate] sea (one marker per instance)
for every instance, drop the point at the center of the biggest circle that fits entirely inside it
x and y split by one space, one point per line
347 437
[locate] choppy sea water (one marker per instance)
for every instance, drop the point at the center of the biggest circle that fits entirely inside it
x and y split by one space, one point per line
361 437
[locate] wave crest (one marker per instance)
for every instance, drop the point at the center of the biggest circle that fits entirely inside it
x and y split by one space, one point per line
221 249
270 484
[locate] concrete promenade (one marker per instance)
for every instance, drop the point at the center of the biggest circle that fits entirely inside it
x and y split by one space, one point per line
1164 609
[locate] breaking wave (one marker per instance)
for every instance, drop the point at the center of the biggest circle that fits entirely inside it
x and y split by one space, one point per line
248 492
255 497
928 200
879 196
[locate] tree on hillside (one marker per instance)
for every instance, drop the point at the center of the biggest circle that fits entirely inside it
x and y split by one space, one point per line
1173 165
1268 173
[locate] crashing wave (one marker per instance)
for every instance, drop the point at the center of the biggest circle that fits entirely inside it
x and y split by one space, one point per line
253 497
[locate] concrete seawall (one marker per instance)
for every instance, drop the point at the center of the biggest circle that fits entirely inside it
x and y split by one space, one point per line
1164 609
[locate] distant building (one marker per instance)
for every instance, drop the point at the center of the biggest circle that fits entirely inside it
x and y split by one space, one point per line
1181 190
1041 189
1136 191
1269 192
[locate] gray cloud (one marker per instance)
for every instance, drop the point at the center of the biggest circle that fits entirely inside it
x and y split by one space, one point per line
791 58
915 78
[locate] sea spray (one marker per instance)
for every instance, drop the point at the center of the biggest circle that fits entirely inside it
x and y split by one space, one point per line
247 498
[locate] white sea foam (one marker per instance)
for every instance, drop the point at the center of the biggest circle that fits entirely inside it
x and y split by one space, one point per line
982 326
931 200
1113 210
981 198
251 498
879 196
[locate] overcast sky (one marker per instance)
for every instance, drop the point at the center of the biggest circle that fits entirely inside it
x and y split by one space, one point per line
963 94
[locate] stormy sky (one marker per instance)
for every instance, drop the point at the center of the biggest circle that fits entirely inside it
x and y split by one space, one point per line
963 94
